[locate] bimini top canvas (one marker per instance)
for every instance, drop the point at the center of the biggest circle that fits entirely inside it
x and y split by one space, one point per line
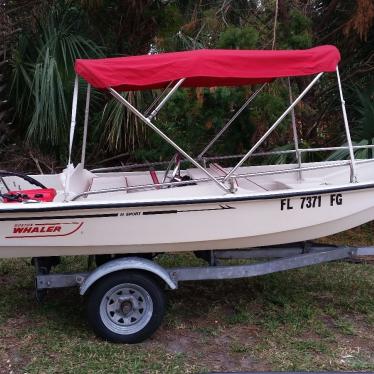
205 67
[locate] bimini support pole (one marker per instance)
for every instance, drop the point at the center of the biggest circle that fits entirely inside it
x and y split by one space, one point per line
157 99
233 118
146 120
86 115
271 129
353 177
71 137
294 130
165 99
73 117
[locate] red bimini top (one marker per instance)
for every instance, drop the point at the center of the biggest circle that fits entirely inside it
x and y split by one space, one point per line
205 67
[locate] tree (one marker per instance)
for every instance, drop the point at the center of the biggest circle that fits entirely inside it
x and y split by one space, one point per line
55 32
7 32
43 73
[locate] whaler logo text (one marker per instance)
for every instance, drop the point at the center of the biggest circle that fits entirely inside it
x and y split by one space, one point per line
40 230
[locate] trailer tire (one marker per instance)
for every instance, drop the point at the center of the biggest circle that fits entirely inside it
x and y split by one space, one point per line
125 307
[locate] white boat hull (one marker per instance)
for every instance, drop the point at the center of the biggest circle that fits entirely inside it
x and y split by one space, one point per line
234 221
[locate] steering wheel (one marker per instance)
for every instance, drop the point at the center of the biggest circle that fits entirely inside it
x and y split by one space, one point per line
25 177
16 197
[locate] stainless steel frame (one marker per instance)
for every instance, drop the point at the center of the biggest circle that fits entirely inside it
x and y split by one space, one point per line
86 115
165 99
348 134
294 129
73 116
157 99
165 137
272 128
233 118
72 131
228 157
170 164
221 181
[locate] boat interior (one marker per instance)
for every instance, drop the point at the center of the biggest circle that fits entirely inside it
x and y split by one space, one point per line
79 184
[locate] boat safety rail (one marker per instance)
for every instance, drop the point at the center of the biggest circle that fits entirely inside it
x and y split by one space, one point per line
290 151
202 180
139 187
229 157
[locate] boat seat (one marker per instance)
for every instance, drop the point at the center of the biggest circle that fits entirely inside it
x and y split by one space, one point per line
79 179
104 182
144 178
304 184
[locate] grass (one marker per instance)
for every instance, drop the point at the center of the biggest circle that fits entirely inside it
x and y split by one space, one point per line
317 318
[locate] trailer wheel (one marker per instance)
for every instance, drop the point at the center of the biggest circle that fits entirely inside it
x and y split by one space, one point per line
125 307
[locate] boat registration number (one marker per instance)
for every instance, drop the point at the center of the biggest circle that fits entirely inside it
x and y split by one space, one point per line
310 202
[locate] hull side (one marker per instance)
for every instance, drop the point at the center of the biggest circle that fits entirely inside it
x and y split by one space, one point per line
184 227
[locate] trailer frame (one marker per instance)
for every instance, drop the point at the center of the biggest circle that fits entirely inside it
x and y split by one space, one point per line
128 269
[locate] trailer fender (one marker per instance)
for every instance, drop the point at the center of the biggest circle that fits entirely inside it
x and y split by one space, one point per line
127 263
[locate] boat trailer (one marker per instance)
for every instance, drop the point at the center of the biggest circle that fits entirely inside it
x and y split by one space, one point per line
113 323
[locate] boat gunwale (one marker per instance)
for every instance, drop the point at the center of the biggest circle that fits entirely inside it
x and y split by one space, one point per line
209 200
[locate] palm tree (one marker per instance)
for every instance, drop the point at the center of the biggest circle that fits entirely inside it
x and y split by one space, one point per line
43 72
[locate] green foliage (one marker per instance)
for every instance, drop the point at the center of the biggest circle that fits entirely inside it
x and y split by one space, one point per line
363 123
268 106
297 33
365 113
119 129
50 115
282 158
43 73
170 20
299 22
300 41
238 38
192 118
343 154
59 31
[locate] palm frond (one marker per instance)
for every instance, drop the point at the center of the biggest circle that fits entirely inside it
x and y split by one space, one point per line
282 158
50 115
43 74
365 110
343 154
120 129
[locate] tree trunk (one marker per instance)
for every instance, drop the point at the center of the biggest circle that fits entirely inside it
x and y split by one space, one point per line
6 33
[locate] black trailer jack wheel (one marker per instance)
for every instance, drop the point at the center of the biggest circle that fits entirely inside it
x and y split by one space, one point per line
125 307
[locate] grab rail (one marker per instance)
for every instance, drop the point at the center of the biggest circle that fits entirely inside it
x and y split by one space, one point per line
228 157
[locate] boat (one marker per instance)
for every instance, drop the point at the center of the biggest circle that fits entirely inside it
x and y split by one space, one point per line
192 203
